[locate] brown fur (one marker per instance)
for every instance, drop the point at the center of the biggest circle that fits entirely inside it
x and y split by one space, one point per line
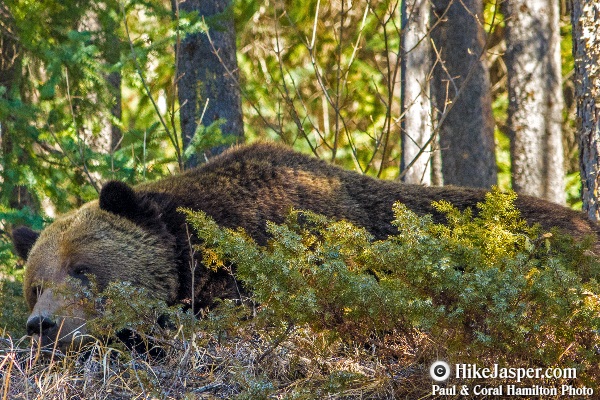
140 237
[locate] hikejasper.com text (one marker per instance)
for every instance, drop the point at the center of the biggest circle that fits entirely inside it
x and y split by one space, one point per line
473 371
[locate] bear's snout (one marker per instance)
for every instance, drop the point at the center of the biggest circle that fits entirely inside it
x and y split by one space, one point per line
39 325
51 322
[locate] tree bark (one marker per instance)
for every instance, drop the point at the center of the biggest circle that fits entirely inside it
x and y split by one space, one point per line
207 78
416 105
585 18
461 82
116 135
535 98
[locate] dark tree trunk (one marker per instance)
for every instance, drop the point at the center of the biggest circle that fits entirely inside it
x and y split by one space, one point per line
209 78
461 82
586 52
535 105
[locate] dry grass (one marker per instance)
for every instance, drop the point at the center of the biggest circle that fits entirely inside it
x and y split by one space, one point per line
248 365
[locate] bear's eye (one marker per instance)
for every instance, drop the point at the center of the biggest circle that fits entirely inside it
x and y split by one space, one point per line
80 271
36 291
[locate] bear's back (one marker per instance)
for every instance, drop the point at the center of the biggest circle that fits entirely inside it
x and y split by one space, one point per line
249 185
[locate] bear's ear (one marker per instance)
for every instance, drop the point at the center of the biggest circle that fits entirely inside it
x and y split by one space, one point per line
23 240
120 199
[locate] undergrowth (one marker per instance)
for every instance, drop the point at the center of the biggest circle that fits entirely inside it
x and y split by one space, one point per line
336 314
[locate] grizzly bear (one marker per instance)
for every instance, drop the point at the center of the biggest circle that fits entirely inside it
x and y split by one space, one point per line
137 235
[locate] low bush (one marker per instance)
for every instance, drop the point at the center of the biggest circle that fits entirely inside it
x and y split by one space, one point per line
334 313
483 286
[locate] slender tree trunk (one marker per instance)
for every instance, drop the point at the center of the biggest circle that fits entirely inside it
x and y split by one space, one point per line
461 83
114 79
585 18
207 80
437 176
535 98
416 105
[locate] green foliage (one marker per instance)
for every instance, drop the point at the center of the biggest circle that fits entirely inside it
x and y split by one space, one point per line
57 107
574 190
331 96
479 285
334 313
124 306
13 310
485 284
206 138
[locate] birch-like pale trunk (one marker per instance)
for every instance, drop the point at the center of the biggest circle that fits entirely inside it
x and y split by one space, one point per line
585 18
416 104
535 110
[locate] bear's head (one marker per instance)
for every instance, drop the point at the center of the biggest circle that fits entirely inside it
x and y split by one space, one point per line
118 238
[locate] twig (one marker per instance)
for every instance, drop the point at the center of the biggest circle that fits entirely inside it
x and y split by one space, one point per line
330 101
193 265
171 135
79 139
208 387
232 76
277 342
451 104
336 133
174 84
287 96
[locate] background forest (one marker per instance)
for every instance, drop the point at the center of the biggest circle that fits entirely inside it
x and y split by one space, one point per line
431 92
92 91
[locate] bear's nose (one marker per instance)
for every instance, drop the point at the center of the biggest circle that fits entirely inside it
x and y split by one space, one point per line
39 325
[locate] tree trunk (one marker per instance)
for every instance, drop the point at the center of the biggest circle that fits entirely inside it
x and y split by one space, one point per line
416 105
208 79
116 135
585 18
114 79
461 84
535 98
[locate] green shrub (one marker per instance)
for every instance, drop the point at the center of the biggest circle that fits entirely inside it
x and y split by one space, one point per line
126 307
484 286
336 314
13 310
